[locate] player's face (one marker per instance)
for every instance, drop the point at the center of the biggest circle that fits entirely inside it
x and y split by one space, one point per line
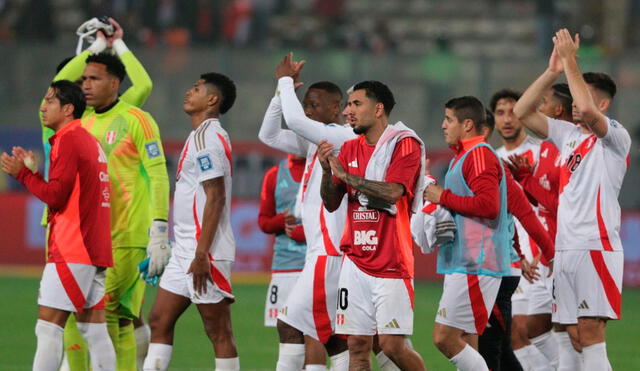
99 87
321 106
451 127
507 124
549 105
360 111
197 98
52 111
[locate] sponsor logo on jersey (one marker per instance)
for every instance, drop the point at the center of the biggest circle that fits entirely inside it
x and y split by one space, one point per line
353 163
102 158
544 182
205 163
367 240
363 214
110 137
104 177
153 150
340 319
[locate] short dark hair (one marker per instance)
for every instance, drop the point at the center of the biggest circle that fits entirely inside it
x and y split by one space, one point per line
327 86
602 82
379 92
490 121
70 93
468 107
225 85
503 94
114 64
63 63
562 93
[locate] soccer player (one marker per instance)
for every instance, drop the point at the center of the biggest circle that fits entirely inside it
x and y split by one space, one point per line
380 172
139 196
277 198
495 343
532 301
308 315
141 85
79 241
475 189
594 158
199 270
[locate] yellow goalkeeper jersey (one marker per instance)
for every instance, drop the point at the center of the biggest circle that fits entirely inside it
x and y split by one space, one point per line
137 170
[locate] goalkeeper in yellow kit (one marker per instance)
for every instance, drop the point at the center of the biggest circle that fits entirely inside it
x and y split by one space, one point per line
139 184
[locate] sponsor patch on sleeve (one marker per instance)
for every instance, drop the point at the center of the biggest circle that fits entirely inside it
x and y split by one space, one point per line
205 162
153 150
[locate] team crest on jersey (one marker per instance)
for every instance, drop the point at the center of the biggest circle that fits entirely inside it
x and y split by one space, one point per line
110 138
153 150
205 163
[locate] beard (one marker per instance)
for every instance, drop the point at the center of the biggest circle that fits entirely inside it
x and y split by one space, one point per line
516 133
360 129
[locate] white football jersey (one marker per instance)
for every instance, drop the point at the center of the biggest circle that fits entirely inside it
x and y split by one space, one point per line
206 155
529 148
591 174
322 229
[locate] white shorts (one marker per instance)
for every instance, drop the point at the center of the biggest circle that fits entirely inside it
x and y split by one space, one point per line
368 305
533 298
467 301
176 280
277 294
311 305
72 287
587 283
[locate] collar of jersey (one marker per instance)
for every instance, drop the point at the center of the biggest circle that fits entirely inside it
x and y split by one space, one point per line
70 126
466 144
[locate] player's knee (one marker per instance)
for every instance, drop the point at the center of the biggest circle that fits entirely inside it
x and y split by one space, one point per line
289 334
392 346
359 345
441 340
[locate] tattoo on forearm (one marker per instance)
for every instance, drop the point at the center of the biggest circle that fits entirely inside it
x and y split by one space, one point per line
379 190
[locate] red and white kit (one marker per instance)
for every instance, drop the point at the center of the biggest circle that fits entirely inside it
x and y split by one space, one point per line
589 256
77 195
376 283
530 298
206 155
311 305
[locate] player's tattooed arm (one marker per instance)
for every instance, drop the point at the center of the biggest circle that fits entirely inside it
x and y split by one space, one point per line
379 193
214 190
330 192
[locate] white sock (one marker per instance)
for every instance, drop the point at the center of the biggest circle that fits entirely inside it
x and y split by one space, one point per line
568 358
532 359
522 355
469 360
143 338
49 348
101 351
318 367
595 357
290 357
548 346
385 363
228 364
158 357
340 361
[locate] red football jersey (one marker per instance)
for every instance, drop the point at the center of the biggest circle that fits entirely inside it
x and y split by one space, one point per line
379 243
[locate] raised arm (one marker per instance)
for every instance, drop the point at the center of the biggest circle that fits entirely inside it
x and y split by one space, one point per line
526 109
272 134
299 123
582 99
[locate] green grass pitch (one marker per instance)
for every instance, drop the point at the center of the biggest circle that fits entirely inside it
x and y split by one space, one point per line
257 345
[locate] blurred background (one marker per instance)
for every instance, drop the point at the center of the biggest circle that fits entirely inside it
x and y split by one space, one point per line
427 51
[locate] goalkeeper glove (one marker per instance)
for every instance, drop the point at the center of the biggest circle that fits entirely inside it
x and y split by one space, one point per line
158 249
143 267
